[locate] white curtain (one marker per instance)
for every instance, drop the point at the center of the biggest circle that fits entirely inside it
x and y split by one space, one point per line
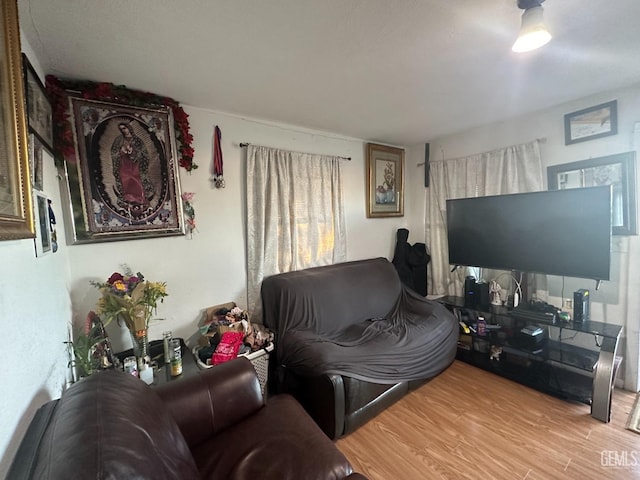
507 170
295 215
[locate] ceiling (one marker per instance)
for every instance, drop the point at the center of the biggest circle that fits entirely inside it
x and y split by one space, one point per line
400 72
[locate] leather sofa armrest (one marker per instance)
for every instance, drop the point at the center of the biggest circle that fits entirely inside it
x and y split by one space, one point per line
325 401
216 398
26 456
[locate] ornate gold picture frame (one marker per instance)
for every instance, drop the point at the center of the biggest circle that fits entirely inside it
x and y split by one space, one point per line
16 217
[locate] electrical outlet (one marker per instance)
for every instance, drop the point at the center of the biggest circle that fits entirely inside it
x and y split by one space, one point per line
567 304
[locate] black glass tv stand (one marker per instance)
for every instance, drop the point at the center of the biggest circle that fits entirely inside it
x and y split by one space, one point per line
573 361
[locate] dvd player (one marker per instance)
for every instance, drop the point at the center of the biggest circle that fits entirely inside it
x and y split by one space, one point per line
534 316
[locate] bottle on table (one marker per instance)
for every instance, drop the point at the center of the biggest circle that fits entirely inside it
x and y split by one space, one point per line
176 357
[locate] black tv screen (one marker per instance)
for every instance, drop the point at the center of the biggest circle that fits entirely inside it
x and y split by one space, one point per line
556 232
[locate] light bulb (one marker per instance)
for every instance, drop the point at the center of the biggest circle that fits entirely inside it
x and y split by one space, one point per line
533 33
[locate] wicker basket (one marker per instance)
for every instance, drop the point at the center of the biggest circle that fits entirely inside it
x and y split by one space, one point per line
259 359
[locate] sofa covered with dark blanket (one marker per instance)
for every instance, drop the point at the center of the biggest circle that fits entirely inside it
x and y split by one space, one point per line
213 425
351 339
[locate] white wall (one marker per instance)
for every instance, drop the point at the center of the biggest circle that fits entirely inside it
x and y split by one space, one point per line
35 311
210 268
617 301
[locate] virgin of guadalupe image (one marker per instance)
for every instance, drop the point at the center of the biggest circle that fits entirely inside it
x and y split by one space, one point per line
130 159
127 173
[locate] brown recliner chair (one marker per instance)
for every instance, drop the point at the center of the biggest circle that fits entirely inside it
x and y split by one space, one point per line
214 425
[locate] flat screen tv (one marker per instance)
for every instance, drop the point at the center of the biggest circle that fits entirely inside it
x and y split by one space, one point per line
556 232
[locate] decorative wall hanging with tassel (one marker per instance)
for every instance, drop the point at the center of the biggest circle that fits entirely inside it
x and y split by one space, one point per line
218 179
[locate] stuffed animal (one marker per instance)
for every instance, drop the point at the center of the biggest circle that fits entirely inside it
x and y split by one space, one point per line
495 353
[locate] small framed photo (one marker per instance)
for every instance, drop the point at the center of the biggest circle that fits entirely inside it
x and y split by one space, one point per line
591 123
43 223
35 162
385 185
39 111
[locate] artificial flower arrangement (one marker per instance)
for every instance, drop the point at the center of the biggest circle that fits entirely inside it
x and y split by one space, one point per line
130 298
187 202
63 135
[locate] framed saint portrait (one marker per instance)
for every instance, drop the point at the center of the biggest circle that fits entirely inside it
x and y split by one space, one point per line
385 181
125 183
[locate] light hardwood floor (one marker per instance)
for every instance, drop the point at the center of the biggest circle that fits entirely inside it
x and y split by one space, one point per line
470 424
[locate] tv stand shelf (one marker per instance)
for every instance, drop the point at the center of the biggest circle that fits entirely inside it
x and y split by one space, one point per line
584 372
559 353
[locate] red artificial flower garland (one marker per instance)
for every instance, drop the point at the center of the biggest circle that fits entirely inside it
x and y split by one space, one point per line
108 92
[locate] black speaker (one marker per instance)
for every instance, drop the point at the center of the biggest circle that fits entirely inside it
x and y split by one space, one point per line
426 165
581 305
482 294
476 293
470 291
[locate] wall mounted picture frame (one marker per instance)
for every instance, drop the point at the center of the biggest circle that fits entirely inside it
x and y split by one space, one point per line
39 110
385 181
16 210
43 224
591 123
617 170
124 184
36 153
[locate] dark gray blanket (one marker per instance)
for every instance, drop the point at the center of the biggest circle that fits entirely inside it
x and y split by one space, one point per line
357 319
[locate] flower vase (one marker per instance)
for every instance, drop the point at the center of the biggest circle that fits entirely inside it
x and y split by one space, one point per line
140 342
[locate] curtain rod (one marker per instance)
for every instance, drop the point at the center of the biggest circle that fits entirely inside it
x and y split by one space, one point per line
246 144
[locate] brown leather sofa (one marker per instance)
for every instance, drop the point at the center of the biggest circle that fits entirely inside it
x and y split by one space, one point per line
213 425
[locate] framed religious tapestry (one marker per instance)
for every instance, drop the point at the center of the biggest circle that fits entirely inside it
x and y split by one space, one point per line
124 184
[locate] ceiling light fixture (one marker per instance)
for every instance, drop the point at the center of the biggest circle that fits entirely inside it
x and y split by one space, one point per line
533 33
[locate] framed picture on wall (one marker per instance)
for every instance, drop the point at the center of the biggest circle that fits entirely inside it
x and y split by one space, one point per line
39 111
617 170
16 210
385 181
35 162
43 223
124 184
591 123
